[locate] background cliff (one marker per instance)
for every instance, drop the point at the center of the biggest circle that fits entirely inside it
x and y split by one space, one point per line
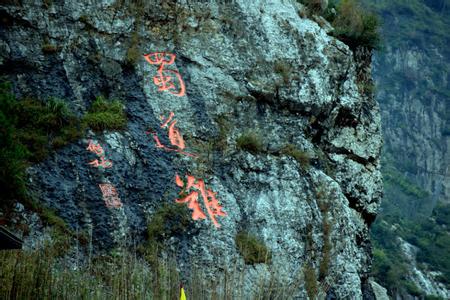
277 112
412 242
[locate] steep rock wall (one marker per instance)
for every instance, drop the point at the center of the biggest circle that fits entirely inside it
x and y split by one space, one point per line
248 66
415 104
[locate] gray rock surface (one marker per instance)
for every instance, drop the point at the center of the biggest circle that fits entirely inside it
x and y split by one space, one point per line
252 65
426 281
415 120
379 291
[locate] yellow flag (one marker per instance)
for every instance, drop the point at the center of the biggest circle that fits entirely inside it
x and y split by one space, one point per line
182 295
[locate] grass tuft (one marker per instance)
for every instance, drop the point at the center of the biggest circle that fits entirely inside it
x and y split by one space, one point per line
171 219
301 156
105 115
49 48
252 249
355 27
284 69
311 285
250 142
326 250
133 52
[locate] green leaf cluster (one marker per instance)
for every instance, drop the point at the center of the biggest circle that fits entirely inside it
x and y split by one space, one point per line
105 115
29 130
430 235
355 27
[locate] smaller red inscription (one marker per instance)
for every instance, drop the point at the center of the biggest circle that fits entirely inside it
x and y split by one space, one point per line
98 150
110 195
95 148
102 163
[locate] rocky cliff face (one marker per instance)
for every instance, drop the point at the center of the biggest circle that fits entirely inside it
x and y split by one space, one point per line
415 113
412 87
414 109
252 70
412 76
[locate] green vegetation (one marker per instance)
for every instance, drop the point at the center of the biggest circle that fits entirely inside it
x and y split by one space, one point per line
123 275
133 53
322 202
326 250
13 154
224 123
284 69
324 206
44 126
252 249
30 129
49 48
105 115
389 267
403 197
251 142
355 27
433 298
404 215
351 23
314 7
301 156
394 177
414 22
311 284
441 215
431 237
61 241
40 275
171 219
61 233
366 88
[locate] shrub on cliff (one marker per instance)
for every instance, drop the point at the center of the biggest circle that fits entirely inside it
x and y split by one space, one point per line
315 6
171 219
300 156
105 115
29 130
355 27
311 284
250 141
12 153
252 249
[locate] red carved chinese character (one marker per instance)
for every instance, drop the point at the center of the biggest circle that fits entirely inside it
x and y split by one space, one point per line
192 199
103 163
110 195
166 78
96 148
160 58
209 199
175 137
